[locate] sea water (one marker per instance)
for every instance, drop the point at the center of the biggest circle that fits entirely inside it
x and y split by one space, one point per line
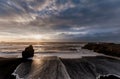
65 50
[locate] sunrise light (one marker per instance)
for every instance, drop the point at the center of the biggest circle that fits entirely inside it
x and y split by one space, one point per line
37 37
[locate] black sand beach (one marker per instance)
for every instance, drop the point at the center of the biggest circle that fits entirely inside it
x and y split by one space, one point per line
59 68
7 67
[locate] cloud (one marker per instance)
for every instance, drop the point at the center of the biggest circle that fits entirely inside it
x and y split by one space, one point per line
75 20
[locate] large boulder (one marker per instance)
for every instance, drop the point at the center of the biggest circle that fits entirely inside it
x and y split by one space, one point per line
28 52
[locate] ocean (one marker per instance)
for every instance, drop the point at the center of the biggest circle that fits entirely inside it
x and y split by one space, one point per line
60 49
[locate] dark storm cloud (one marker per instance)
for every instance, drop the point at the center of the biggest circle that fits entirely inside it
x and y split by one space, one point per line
89 20
93 11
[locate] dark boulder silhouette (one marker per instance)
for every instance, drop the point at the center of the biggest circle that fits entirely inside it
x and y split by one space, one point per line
109 77
28 52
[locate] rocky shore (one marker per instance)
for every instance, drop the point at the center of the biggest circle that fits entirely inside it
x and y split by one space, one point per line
53 67
104 48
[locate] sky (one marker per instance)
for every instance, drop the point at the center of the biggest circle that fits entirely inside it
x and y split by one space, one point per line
60 20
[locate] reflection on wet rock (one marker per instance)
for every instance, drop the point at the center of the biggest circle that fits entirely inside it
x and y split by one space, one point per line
59 68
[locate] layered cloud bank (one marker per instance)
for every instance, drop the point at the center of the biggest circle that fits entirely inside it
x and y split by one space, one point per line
71 20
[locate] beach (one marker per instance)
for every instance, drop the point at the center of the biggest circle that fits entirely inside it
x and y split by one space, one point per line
60 68
7 67
59 63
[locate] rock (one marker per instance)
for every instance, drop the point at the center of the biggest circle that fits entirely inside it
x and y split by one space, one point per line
109 77
105 48
28 52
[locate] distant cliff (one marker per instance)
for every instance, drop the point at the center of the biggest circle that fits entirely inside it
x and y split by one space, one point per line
105 48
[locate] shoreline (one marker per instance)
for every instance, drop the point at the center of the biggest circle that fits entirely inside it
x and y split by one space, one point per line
10 64
109 49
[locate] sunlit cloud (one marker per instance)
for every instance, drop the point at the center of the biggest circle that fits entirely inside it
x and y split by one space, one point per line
60 19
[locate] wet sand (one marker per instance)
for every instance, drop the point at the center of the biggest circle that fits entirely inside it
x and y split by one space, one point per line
7 67
60 68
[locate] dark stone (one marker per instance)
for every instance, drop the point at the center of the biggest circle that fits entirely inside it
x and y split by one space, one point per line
105 48
28 52
12 77
109 77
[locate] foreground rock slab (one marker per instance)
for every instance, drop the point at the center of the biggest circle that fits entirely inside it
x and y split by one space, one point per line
57 68
43 68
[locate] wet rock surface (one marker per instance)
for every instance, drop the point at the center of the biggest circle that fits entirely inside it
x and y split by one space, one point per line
28 52
57 68
43 68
